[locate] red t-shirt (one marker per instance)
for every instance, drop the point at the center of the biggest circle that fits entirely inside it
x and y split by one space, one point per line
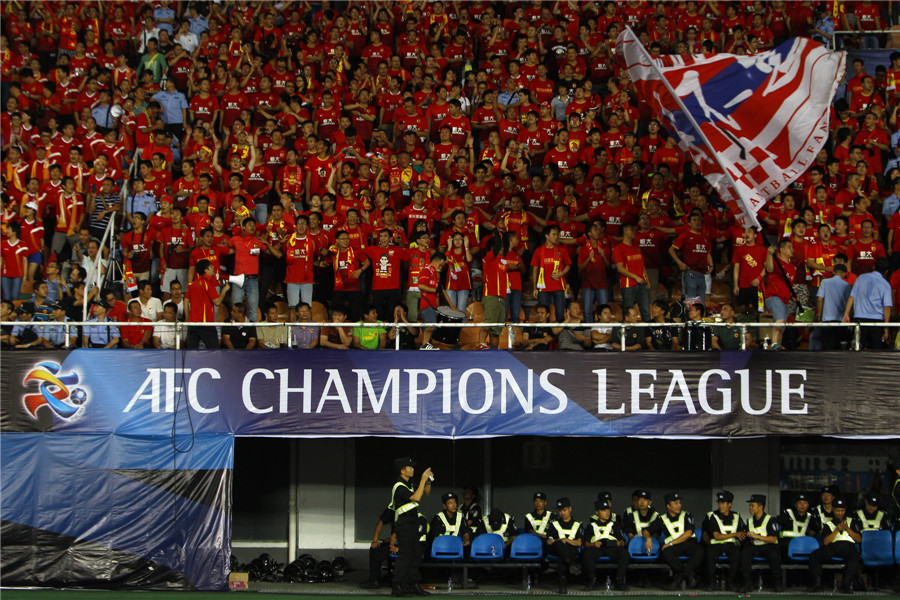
299 255
245 263
776 284
651 242
200 295
170 238
12 254
141 244
864 254
133 332
695 249
429 276
632 260
386 266
549 261
753 264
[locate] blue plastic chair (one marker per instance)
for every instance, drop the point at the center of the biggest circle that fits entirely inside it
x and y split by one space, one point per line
637 549
447 548
526 546
877 548
487 547
801 547
897 548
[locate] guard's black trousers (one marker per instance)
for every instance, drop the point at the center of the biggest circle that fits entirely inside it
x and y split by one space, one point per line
772 554
691 549
377 556
715 551
845 550
618 554
566 553
406 568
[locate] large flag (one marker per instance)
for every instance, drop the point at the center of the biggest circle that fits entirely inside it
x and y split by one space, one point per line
752 124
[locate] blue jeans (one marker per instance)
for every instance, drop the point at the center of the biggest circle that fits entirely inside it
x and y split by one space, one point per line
555 300
640 295
299 292
11 287
514 305
459 298
693 284
588 297
251 291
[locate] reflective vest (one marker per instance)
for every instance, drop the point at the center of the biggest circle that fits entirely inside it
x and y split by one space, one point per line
843 536
456 528
602 532
501 531
570 534
798 527
405 508
423 528
725 529
539 526
675 528
870 524
640 526
761 529
823 518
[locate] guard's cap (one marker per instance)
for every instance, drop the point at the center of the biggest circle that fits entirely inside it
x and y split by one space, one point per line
838 503
26 308
401 463
643 494
601 505
724 496
672 497
604 496
758 498
54 306
540 495
563 503
831 489
100 302
801 497
449 496
873 499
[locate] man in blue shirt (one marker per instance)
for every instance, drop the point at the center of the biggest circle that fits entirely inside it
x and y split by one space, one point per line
891 204
174 108
871 302
834 292
140 201
55 335
100 112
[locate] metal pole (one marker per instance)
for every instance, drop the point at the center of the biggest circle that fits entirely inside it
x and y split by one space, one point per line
511 335
177 335
856 336
622 338
396 336
743 337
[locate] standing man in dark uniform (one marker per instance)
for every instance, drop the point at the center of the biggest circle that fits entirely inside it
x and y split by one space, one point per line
824 510
725 530
604 537
761 540
643 514
841 536
405 503
677 527
796 522
563 541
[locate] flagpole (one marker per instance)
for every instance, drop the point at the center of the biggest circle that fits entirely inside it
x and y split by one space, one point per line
744 201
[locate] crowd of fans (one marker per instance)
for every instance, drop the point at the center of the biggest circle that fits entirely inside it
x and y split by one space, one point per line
408 161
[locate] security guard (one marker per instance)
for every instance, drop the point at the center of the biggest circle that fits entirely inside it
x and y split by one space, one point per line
842 533
538 521
563 540
405 503
422 523
470 509
677 528
378 551
761 540
606 497
824 509
500 523
796 522
724 529
870 516
449 521
642 515
604 537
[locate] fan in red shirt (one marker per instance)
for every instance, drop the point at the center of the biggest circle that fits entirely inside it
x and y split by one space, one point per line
550 264
137 333
429 281
386 262
348 264
749 261
781 275
137 245
695 262
866 250
201 301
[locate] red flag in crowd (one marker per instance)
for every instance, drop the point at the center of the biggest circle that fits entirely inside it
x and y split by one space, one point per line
752 124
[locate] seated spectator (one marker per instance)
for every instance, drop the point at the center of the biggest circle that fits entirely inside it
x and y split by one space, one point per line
165 332
370 338
538 338
407 332
661 336
7 316
633 335
25 335
601 334
151 307
240 335
55 336
100 336
696 337
304 337
272 338
572 338
136 336
340 338
727 336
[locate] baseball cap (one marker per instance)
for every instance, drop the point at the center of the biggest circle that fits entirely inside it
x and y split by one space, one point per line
672 497
642 494
540 495
601 505
758 498
449 496
838 503
873 499
563 503
724 496
401 463
801 497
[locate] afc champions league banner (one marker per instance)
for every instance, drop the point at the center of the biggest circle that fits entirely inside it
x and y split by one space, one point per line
449 394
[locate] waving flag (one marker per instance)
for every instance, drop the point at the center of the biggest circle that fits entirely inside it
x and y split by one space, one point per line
752 124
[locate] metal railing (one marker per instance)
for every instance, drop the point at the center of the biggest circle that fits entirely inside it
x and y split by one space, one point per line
71 327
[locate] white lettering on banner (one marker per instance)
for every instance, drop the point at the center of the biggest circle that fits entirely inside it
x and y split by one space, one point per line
334 380
787 391
683 396
151 381
507 379
192 390
464 389
553 391
726 392
415 392
637 390
284 389
601 396
245 390
391 384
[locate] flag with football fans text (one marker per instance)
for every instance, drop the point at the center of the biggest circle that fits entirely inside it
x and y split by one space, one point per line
752 124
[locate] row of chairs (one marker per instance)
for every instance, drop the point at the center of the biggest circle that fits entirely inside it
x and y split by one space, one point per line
878 548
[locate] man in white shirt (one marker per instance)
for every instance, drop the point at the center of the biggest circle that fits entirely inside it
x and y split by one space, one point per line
151 308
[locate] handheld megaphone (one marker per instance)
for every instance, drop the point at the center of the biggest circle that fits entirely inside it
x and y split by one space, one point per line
237 280
116 111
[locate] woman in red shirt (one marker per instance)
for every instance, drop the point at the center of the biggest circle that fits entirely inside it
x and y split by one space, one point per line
13 254
458 282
